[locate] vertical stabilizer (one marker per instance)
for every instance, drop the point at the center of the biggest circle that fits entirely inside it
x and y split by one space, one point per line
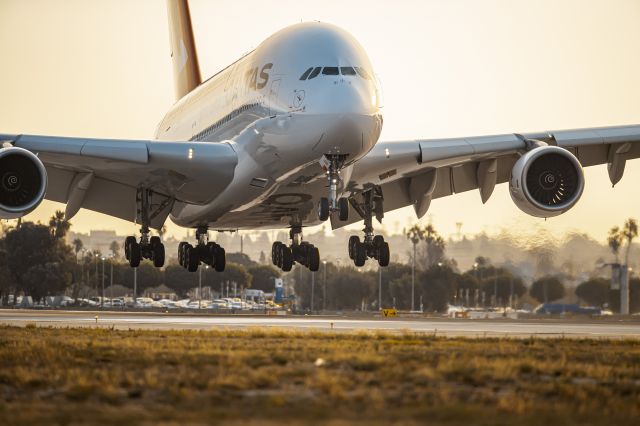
186 71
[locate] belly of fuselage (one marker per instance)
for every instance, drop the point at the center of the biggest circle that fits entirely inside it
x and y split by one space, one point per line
278 179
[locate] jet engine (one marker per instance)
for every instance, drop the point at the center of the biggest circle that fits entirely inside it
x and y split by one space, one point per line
546 181
23 182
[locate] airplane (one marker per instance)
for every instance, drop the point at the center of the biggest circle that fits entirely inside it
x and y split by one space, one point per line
287 136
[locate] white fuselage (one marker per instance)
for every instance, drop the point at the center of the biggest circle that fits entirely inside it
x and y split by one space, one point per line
280 125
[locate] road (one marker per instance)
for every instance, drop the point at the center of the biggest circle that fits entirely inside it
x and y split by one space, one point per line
449 327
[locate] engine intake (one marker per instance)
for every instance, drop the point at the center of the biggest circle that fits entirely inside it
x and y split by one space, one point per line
546 181
23 182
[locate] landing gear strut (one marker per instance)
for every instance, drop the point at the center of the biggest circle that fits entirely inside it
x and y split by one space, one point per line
373 246
303 252
149 247
208 252
327 205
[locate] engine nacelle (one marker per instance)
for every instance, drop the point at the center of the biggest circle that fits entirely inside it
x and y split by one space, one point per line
546 181
23 182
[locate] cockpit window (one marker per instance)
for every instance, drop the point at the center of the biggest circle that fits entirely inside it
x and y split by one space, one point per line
315 72
347 71
330 71
306 74
363 73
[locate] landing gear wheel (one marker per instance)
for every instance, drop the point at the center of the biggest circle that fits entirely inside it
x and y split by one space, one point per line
287 259
220 258
383 254
323 209
158 255
343 209
313 259
192 260
134 254
354 240
181 253
275 254
360 254
127 244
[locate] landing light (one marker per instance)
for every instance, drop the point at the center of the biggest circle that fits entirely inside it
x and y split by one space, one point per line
190 154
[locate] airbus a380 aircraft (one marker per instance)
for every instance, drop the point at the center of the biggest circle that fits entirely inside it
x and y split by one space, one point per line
287 136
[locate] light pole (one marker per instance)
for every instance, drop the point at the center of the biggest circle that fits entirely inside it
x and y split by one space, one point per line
102 297
96 262
199 288
414 240
313 288
379 287
324 287
111 281
135 285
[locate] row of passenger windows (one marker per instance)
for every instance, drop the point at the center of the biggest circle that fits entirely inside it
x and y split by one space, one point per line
313 72
209 130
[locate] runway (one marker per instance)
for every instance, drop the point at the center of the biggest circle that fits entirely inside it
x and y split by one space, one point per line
450 327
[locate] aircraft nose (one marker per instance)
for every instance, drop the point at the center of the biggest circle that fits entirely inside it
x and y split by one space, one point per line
346 96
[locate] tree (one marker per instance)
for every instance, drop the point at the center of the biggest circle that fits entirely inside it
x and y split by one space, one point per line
77 246
615 241
58 225
438 284
179 279
263 276
114 248
506 284
629 232
33 255
547 289
594 291
435 246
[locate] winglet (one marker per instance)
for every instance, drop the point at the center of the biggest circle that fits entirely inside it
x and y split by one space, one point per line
186 71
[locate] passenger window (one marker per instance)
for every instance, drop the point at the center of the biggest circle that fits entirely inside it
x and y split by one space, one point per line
347 71
363 73
315 73
330 71
306 74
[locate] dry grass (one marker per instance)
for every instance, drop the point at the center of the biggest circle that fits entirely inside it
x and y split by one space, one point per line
76 376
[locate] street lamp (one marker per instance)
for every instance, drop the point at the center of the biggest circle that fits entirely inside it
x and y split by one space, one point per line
199 288
111 280
313 288
102 297
324 287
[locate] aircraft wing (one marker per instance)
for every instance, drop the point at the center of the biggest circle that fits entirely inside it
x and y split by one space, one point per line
104 175
415 172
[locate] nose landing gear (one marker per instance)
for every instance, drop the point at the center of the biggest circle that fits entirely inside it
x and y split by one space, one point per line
373 246
303 252
332 164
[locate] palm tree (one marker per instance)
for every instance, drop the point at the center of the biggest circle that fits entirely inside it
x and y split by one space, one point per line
415 234
58 225
615 241
77 246
629 232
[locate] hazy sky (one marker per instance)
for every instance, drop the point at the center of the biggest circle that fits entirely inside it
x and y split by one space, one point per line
448 68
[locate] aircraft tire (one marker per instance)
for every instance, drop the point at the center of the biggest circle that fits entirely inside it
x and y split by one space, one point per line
323 209
343 209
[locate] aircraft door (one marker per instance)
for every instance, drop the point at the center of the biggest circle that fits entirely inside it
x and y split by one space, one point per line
273 97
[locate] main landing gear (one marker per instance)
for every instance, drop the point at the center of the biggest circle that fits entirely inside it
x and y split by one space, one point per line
373 246
299 251
149 247
204 251
327 205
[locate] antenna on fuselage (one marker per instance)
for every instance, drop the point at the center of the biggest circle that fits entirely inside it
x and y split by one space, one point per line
186 71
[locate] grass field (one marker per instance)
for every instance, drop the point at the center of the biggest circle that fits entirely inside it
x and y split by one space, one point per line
76 376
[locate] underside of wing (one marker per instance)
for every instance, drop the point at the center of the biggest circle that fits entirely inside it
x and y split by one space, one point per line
416 172
107 175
